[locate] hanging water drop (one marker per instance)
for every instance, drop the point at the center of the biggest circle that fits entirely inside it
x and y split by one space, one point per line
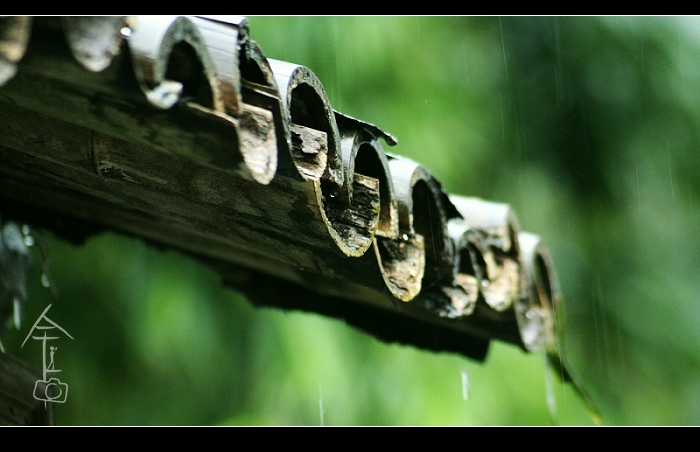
27 237
45 280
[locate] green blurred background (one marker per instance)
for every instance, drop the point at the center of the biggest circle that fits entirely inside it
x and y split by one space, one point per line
589 127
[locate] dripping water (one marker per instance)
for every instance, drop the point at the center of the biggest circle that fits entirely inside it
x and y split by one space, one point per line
549 388
45 252
555 360
17 312
465 385
320 405
27 233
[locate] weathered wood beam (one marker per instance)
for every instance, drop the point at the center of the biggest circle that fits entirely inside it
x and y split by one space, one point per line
179 130
18 385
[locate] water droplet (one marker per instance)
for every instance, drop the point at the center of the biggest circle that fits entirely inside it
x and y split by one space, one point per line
465 385
320 405
549 388
405 237
45 280
126 32
25 229
28 240
18 312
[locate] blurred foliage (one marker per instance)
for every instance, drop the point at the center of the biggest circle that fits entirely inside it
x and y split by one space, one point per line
588 127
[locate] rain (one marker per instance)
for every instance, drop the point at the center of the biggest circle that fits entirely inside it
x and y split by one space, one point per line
589 127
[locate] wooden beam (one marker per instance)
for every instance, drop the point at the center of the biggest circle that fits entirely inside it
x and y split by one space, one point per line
178 130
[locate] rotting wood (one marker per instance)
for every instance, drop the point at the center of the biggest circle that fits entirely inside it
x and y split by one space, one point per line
179 130
309 151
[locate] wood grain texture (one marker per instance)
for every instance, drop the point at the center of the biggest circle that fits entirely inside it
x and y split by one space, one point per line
179 130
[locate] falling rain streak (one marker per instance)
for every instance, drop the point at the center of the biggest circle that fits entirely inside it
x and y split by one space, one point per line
604 330
322 412
552 114
503 119
549 388
503 46
597 333
670 174
465 385
639 192
558 70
